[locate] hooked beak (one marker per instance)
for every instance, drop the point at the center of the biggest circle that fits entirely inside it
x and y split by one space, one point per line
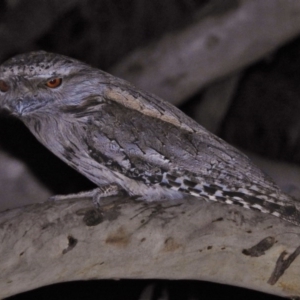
21 106
15 107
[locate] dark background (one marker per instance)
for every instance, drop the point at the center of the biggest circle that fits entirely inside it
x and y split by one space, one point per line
262 116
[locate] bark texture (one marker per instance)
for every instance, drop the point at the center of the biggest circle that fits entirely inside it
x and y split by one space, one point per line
48 243
180 64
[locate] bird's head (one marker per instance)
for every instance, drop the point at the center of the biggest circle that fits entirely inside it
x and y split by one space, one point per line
42 82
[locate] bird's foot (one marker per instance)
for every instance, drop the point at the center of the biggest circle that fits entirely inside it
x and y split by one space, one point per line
95 194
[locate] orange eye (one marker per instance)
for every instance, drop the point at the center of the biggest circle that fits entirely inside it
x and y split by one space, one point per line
4 87
54 83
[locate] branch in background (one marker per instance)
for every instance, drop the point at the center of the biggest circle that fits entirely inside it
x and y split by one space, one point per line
18 185
217 97
179 64
48 243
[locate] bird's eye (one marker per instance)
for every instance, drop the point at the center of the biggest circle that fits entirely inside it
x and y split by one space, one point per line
4 87
54 83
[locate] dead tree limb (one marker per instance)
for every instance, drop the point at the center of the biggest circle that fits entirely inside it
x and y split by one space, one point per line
179 64
18 185
48 243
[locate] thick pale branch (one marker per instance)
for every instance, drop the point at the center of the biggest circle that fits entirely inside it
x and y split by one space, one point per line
18 185
179 64
55 242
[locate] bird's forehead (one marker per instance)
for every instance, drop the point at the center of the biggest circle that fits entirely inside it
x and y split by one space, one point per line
39 63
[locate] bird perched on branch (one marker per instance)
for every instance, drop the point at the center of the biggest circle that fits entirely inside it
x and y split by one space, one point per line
122 138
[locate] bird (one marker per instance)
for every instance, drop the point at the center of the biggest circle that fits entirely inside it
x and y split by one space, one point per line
125 139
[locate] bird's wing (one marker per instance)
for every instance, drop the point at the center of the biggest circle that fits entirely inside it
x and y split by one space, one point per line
144 137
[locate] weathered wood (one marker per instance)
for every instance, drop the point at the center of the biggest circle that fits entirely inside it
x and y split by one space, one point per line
47 243
181 63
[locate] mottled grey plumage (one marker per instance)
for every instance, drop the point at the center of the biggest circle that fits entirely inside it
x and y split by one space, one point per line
120 137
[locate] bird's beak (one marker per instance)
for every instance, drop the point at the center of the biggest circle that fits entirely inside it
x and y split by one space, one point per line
19 106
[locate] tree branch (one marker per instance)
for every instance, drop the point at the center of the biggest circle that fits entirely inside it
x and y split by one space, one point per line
179 64
47 243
